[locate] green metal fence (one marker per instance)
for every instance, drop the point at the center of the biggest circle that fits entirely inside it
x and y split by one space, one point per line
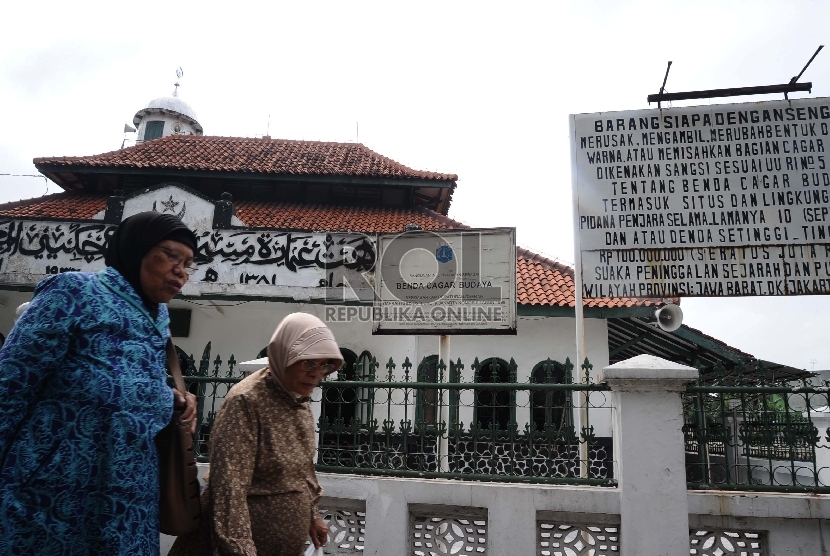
493 428
748 433
742 431
426 422
210 383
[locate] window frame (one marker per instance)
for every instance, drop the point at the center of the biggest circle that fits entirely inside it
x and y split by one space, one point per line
479 379
550 406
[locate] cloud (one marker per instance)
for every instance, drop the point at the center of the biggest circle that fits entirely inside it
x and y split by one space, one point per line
61 66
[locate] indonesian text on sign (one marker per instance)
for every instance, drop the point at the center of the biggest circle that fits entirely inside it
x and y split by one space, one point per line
686 179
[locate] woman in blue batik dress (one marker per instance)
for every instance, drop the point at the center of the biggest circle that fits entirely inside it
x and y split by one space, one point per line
83 393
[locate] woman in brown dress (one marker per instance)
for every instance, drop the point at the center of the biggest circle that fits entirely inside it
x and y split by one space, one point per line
262 492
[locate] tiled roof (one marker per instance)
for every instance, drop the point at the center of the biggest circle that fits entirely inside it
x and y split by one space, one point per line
239 154
539 281
57 205
339 218
542 281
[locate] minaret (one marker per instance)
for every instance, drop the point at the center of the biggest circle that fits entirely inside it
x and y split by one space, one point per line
166 116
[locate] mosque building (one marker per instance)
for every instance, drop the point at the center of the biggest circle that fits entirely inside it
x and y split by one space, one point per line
281 225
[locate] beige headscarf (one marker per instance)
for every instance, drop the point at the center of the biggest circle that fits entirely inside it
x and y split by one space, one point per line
300 336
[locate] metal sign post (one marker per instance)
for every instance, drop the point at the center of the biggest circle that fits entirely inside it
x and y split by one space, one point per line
445 283
578 312
443 444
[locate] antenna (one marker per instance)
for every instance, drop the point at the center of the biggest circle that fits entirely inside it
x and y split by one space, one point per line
268 128
179 74
665 78
810 61
357 132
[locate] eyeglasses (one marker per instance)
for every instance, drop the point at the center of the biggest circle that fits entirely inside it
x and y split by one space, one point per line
311 366
175 258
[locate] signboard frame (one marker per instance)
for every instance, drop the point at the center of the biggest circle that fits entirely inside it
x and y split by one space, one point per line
765 231
506 280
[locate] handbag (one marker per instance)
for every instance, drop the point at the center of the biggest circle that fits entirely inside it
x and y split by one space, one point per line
179 508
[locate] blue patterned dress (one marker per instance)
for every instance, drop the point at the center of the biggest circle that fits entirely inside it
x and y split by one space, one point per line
82 396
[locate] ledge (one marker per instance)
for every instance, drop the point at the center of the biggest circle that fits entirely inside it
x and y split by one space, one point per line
648 373
760 505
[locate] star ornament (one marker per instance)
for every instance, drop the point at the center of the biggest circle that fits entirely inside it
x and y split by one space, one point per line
170 204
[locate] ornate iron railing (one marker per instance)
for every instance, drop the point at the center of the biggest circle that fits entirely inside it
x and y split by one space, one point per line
751 434
430 424
742 434
519 431
210 383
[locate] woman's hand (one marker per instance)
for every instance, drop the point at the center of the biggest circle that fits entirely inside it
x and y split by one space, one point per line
187 402
319 532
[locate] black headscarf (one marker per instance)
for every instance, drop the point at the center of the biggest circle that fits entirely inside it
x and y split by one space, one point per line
135 236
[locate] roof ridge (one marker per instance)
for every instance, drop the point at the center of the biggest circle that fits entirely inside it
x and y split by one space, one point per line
170 150
453 177
533 257
441 218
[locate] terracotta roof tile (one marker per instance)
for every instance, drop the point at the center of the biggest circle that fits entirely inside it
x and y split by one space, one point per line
240 154
544 282
339 218
539 281
58 205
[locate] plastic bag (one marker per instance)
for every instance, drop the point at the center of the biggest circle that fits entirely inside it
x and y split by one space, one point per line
311 551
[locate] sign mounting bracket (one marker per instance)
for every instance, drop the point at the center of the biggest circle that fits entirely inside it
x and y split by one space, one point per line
786 88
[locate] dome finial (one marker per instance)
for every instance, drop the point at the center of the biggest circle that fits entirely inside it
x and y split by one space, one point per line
179 74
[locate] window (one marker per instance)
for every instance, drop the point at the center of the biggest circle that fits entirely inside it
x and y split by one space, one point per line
495 406
339 403
348 403
427 410
179 322
153 130
550 407
365 396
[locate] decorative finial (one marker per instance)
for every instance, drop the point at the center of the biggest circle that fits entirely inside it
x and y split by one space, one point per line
179 74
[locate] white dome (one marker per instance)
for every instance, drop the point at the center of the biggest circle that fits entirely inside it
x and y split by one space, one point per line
175 104
169 105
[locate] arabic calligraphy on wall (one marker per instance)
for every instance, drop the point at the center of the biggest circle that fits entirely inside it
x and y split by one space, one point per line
80 242
31 250
289 249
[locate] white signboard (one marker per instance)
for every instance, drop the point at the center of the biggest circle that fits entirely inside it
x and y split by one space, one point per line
447 282
703 186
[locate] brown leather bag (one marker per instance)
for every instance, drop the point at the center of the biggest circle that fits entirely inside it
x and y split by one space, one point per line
179 508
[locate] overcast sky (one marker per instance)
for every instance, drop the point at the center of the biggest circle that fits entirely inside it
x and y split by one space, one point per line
480 89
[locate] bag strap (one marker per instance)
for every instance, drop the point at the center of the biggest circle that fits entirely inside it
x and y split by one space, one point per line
173 367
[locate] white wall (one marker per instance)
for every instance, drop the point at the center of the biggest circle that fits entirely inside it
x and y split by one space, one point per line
793 524
9 301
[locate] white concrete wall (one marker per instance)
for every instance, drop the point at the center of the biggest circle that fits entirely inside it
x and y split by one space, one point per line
9 301
794 524
511 509
244 328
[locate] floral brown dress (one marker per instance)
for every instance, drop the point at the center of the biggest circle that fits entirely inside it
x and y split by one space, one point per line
263 491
